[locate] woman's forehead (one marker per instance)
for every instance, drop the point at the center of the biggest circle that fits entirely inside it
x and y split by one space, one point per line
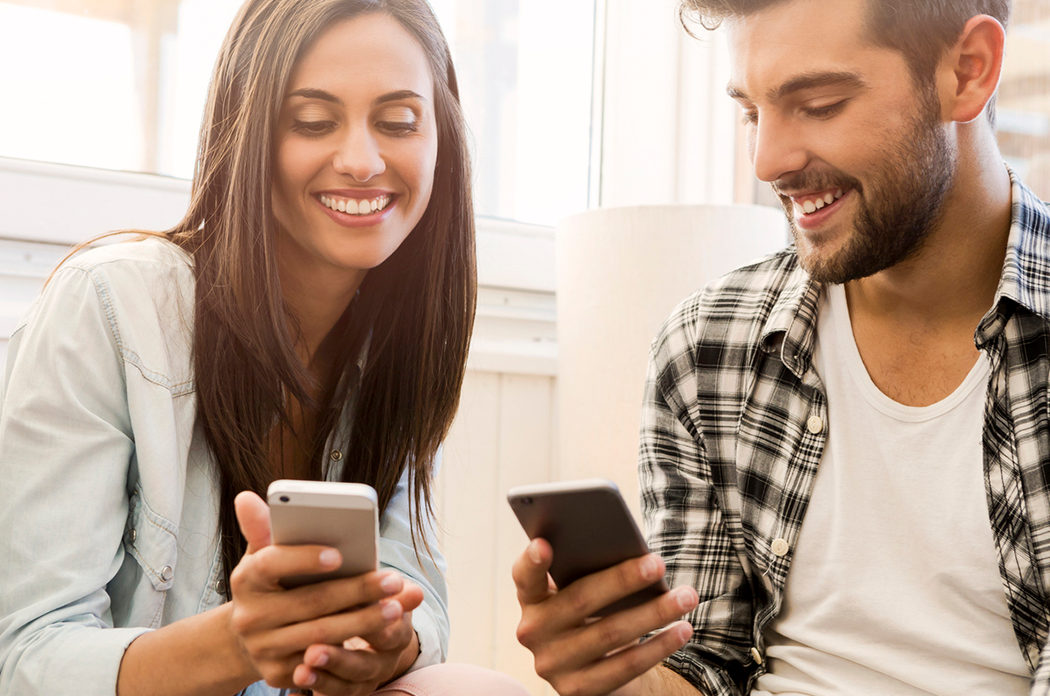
367 54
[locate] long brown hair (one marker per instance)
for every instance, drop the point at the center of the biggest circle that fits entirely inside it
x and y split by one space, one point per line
414 312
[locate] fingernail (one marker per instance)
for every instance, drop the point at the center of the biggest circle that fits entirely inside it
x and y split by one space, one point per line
684 631
391 583
310 678
534 553
650 568
684 597
320 660
330 558
391 609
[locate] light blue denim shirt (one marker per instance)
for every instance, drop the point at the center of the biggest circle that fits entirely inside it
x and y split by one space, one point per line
108 501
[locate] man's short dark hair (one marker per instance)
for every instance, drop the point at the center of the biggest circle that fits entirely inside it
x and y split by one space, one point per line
921 30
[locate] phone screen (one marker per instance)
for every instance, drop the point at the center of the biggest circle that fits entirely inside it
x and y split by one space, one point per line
589 527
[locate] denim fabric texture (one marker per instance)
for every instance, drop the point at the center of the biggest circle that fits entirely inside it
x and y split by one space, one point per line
108 502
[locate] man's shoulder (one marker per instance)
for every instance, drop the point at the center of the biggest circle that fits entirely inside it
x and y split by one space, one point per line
745 296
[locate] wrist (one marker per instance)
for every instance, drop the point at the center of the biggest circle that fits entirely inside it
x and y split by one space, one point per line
240 660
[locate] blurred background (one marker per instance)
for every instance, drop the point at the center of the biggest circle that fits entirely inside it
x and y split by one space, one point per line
572 105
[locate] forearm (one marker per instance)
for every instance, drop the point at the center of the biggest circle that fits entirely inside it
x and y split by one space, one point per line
661 681
197 655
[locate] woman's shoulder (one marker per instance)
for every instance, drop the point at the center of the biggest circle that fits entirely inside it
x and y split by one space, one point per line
143 291
147 255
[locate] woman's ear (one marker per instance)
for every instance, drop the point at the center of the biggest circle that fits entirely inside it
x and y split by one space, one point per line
976 62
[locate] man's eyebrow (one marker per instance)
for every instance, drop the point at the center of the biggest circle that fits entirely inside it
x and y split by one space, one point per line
804 82
313 93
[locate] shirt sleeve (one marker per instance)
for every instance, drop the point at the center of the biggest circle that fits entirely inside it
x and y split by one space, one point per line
424 565
65 449
685 524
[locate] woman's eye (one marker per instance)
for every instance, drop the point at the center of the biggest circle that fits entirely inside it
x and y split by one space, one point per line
826 111
397 127
312 127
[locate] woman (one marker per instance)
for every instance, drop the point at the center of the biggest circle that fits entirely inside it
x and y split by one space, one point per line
308 318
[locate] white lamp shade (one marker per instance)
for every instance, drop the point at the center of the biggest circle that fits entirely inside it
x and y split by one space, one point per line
620 272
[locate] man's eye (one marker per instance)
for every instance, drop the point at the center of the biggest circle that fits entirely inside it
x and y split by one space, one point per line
312 127
749 118
827 111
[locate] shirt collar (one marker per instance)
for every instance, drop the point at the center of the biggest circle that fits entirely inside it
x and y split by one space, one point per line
790 328
1027 266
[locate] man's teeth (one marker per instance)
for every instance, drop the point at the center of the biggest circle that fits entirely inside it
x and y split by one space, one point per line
354 206
812 205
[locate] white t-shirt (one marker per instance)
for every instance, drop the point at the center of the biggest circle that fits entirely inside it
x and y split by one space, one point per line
894 587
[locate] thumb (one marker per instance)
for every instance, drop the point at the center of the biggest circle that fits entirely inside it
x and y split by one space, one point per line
253 516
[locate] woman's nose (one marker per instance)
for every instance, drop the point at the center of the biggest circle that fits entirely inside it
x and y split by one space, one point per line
359 156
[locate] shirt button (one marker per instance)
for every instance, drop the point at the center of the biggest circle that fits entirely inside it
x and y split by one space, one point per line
815 424
132 535
779 547
336 455
756 656
167 573
220 587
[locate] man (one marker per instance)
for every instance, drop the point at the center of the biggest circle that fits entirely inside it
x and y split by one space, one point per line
845 457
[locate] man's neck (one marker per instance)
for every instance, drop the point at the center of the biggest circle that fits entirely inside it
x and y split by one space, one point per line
954 277
914 323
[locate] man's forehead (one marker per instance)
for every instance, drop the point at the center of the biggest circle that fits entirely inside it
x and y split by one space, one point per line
774 50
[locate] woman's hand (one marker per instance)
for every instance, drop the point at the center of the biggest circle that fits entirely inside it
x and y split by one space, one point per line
352 633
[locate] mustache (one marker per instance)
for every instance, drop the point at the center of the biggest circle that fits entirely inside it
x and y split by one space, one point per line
815 181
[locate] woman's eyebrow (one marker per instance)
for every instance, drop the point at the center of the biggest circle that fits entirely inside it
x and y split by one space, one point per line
395 96
314 93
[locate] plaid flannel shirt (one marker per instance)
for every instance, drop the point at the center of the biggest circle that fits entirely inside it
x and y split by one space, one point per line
734 426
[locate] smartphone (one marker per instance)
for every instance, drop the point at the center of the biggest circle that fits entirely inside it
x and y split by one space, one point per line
589 527
344 516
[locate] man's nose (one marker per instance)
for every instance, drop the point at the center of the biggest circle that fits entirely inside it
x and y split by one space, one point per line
777 148
359 156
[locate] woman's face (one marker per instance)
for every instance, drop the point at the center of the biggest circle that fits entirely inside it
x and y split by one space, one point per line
355 148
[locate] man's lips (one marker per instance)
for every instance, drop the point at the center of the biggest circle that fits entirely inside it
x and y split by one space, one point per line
811 202
816 219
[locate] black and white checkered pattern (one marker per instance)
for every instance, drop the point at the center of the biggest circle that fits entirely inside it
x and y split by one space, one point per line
728 455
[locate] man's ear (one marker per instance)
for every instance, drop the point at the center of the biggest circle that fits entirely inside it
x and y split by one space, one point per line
975 64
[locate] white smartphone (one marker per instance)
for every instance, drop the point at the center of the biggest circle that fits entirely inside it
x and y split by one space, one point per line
589 527
344 516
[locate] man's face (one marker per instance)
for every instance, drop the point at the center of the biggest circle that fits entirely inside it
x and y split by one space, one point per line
857 152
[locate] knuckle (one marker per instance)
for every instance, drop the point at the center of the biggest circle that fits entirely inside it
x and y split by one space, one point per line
610 633
527 631
579 602
545 666
571 687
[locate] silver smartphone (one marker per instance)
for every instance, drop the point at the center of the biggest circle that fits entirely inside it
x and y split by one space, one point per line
344 516
589 527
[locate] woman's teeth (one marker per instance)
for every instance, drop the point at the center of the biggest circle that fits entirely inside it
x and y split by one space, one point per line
812 205
353 206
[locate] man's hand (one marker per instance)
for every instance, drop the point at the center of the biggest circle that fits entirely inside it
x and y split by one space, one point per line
580 656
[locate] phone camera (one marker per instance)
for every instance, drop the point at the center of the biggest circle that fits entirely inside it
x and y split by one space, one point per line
284 499
526 501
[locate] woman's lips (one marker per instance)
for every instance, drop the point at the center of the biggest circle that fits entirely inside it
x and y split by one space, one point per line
381 207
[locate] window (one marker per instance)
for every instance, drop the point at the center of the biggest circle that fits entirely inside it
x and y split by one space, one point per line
121 84
1024 95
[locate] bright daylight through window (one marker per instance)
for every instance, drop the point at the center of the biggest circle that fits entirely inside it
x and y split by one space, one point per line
120 84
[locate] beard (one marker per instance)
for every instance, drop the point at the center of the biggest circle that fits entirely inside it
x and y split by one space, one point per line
898 209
